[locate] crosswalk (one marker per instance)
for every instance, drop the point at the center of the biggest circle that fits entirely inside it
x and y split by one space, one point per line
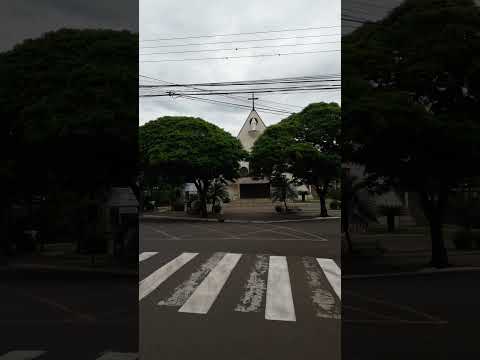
266 286
42 354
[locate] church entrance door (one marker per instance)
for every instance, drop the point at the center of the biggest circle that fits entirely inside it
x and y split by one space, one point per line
254 191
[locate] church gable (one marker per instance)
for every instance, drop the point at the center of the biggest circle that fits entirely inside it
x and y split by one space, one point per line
251 130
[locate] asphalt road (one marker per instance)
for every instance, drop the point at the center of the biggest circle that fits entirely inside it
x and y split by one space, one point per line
61 316
411 317
239 291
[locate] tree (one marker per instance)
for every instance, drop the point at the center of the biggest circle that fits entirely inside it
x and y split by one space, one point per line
418 96
68 104
306 145
283 189
192 148
354 205
217 192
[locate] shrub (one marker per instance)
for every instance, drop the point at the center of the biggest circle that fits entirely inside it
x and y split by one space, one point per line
217 209
148 206
179 205
195 207
334 205
335 194
278 208
463 240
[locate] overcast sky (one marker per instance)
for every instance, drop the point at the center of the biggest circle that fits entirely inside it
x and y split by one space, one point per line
163 19
23 19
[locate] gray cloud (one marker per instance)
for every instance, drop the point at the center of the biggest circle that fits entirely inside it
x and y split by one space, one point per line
23 19
175 18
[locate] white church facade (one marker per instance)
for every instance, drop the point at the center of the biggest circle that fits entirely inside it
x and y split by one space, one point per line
247 187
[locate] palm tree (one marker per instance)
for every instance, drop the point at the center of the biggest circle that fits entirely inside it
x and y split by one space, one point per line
282 189
217 192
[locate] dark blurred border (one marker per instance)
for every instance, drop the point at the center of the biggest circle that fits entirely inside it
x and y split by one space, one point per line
68 170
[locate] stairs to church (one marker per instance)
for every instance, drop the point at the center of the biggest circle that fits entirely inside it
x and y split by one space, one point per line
242 203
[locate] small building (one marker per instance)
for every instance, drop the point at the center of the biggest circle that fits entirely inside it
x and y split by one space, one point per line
121 214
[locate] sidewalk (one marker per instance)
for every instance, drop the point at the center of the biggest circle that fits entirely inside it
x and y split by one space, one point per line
403 253
241 215
61 258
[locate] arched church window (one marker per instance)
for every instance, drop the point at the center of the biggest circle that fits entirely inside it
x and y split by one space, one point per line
253 124
243 171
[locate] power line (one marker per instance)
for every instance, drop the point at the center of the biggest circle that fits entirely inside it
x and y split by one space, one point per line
306 77
264 109
282 104
245 83
368 4
243 56
229 96
240 48
364 11
360 21
243 33
249 91
239 41
272 111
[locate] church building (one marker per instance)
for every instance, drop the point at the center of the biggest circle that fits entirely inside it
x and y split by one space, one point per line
245 187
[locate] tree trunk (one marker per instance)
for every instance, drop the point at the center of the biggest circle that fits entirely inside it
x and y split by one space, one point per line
203 206
434 213
391 223
202 187
439 252
6 238
346 225
323 204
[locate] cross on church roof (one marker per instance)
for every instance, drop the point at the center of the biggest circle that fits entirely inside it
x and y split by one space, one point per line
253 98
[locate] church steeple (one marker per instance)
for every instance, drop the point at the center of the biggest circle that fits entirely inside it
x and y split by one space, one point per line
251 130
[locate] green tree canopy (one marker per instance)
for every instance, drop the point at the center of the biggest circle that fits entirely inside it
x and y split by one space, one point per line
68 124
68 109
192 148
411 92
306 144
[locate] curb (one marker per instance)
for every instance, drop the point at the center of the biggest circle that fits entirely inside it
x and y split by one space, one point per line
428 252
427 271
147 218
37 268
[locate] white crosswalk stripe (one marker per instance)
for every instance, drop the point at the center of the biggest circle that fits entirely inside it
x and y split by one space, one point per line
279 292
267 284
146 255
36 354
186 289
323 299
118 356
256 286
206 293
22 355
151 282
333 274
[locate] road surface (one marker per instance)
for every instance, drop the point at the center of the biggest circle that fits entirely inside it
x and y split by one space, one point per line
240 291
58 316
